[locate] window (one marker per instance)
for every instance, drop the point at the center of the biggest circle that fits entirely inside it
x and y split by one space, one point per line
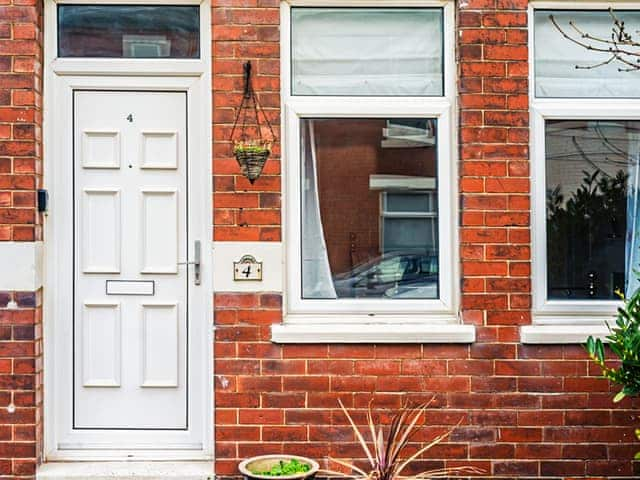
134 31
591 173
370 165
367 51
369 223
586 179
556 58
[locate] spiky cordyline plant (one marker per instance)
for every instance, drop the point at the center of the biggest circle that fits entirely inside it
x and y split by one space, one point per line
385 452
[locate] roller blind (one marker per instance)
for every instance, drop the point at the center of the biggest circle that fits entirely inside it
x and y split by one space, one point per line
556 57
364 51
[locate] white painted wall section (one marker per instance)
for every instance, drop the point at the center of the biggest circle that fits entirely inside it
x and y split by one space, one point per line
20 266
269 253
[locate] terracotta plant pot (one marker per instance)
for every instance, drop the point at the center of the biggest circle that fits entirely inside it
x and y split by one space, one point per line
264 463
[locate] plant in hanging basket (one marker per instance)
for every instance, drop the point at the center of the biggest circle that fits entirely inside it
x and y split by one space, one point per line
251 157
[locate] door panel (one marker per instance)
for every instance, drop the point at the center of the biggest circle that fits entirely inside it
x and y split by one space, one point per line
160 351
160 231
101 236
101 362
130 225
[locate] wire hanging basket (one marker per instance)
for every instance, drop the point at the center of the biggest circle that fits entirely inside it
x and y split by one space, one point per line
250 147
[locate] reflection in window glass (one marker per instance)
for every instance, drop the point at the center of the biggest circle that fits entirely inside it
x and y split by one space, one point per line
369 208
407 220
135 31
593 214
556 57
367 51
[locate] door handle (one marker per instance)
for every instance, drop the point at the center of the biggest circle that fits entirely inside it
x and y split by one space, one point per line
197 255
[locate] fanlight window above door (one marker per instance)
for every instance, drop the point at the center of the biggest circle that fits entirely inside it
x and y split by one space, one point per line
129 31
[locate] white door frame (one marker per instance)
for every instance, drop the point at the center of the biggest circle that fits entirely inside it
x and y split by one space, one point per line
61 77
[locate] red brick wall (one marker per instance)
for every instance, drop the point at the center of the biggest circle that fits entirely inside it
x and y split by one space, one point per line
20 118
245 30
20 383
527 411
20 176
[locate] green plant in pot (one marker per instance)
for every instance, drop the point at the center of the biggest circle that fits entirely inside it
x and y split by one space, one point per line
289 467
387 448
251 156
624 342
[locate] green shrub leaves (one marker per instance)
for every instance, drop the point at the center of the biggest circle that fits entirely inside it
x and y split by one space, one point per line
624 342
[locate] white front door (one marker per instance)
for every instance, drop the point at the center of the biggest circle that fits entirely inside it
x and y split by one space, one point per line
130 278
129 221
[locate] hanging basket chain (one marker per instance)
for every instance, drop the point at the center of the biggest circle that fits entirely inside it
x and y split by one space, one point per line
251 154
250 101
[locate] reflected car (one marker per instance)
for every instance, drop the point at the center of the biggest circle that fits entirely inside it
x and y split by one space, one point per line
418 290
392 275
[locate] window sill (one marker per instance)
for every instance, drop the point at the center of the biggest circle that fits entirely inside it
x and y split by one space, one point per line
372 333
561 334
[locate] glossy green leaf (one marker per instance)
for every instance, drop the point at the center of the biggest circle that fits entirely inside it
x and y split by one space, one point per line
599 350
619 396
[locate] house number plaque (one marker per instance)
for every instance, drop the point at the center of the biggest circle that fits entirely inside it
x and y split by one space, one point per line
247 268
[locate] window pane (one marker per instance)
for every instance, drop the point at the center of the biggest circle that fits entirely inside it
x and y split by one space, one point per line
556 57
366 51
404 202
592 214
410 234
138 31
369 216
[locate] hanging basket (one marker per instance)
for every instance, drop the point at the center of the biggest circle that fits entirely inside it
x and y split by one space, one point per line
251 152
251 157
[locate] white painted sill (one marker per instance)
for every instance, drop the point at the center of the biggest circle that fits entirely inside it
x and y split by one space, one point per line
372 333
561 334
125 471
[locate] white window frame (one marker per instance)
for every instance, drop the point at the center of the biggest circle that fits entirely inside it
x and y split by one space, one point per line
563 321
344 320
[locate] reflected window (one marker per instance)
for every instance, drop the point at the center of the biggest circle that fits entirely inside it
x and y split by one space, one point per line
369 208
593 212
408 219
129 31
